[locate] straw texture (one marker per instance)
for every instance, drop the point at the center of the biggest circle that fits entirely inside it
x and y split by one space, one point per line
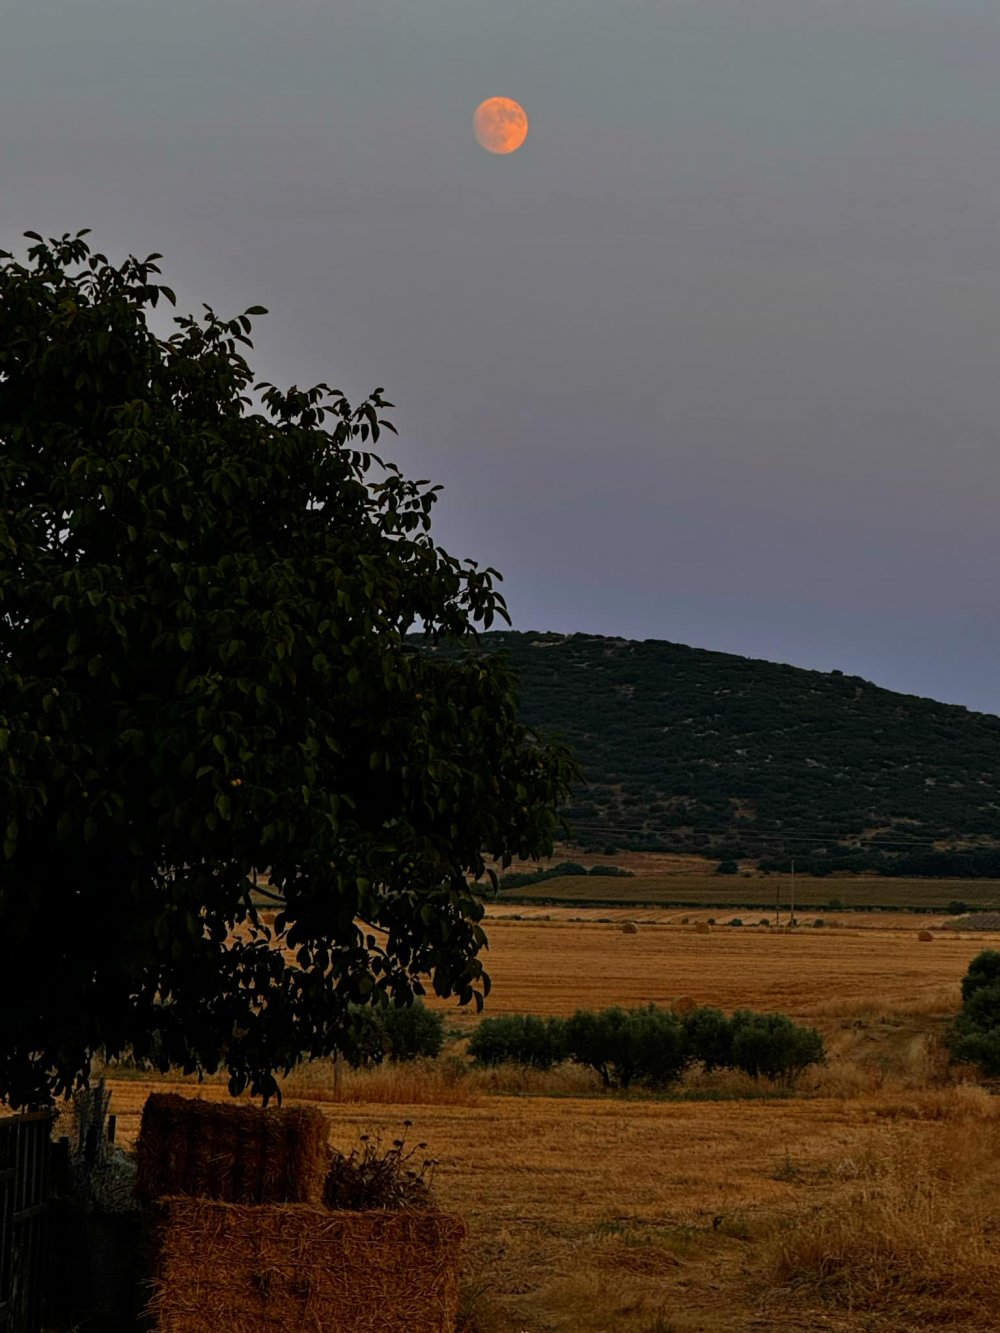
292 1268
236 1153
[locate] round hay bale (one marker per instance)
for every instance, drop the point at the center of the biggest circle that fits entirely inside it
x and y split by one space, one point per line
629 928
684 1004
703 928
925 935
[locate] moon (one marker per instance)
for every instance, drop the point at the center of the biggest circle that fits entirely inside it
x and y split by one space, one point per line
501 125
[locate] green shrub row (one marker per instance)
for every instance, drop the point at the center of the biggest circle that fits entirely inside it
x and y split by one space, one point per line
651 1047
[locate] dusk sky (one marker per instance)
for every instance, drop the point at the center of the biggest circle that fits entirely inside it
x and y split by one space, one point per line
714 357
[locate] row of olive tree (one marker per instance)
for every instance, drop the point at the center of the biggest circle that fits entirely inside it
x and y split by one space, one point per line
650 1046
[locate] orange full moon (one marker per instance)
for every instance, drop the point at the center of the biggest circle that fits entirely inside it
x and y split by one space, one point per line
501 125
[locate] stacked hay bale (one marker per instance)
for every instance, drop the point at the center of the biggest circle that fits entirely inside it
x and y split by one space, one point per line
236 1153
242 1240
290 1267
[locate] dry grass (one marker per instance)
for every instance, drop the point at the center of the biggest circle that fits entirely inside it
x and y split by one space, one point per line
914 1229
419 1083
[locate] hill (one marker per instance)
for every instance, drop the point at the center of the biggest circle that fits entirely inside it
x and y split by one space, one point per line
685 750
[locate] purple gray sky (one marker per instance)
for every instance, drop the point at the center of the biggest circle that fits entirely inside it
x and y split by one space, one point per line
714 358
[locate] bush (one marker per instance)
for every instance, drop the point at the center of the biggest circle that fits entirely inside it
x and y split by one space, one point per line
521 1039
709 1038
975 1044
736 921
643 1046
975 1035
403 1033
412 1031
957 908
983 973
772 1045
727 868
370 1176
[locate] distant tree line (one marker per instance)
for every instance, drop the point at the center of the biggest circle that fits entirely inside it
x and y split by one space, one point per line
981 863
521 879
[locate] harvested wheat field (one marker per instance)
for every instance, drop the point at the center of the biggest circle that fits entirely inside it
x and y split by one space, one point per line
614 1216
864 1200
556 966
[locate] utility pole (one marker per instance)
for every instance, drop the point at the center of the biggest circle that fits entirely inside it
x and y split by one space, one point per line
791 897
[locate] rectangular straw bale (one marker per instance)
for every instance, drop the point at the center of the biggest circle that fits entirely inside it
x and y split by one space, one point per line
285 1268
231 1151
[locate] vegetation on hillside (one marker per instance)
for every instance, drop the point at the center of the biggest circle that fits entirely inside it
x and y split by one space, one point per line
686 750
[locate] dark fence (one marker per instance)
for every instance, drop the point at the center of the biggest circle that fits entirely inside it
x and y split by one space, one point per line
25 1163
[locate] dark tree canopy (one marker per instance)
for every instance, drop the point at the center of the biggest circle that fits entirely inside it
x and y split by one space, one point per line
205 684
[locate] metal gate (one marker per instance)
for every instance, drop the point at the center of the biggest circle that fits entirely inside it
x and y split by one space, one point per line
25 1154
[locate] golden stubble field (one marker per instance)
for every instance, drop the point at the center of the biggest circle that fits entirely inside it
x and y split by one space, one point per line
557 965
868 1202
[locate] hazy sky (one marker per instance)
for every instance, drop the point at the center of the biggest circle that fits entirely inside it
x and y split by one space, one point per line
715 357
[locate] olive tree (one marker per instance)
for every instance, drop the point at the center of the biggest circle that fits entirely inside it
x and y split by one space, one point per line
210 697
